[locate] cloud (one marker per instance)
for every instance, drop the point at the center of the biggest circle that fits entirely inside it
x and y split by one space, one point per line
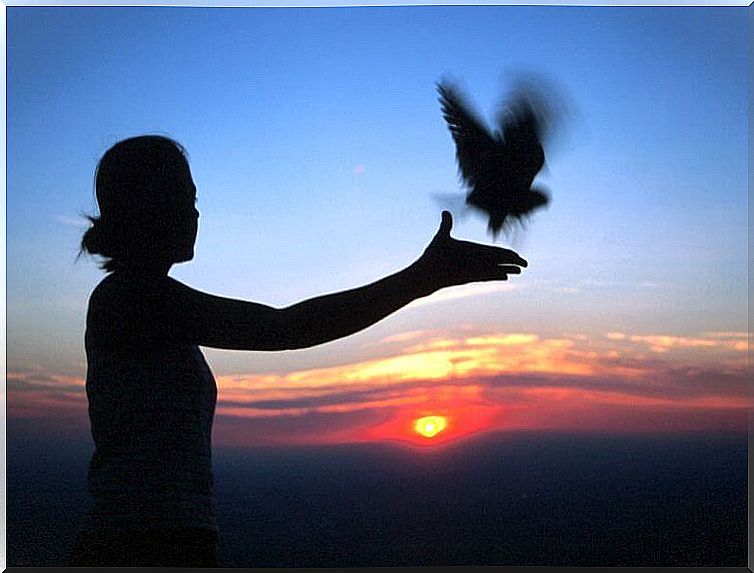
403 336
80 223
502 340
464 291
39 394
728 334
606 284
481 382
40 378
309 428
439 358
664 342
507 380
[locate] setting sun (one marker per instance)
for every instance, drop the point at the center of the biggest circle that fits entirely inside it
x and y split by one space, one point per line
430 426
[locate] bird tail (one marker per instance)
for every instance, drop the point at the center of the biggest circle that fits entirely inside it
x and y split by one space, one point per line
534 199
497 223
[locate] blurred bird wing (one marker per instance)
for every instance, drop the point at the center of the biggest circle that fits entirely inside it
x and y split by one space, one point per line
521 130
474 143
519 122
537 197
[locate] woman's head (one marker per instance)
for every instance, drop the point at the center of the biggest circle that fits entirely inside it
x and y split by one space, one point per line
146 202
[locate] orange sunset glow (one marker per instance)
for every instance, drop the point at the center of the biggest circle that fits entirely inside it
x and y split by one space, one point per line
434 389
438 389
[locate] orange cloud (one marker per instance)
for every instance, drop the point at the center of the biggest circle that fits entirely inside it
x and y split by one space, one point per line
509 381
482 382
403 336
48 399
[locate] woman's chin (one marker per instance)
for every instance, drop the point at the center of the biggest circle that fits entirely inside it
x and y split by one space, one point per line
184 257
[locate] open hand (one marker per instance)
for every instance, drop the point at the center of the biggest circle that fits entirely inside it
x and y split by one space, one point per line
448 262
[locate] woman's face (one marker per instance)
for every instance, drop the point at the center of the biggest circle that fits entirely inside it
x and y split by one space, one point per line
186 218
174 224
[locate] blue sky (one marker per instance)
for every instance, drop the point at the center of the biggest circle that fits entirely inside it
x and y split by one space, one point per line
316 144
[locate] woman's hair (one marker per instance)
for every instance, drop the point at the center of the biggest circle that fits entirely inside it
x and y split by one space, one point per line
135 185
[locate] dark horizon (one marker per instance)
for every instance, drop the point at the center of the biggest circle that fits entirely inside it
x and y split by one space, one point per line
520 499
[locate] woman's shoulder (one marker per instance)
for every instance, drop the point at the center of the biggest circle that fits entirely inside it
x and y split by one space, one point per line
110 292
106 290
125 308
122 294
116 286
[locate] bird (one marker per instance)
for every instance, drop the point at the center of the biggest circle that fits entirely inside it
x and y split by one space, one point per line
498 168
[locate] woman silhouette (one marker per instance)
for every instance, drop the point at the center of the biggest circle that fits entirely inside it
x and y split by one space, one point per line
151 394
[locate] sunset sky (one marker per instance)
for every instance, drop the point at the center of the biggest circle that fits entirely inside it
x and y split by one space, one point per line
318 148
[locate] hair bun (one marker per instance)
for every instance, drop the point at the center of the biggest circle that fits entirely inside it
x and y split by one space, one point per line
92 241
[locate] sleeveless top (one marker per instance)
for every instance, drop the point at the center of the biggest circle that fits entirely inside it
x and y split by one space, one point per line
151 408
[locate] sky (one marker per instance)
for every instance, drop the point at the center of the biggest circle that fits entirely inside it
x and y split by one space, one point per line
318 149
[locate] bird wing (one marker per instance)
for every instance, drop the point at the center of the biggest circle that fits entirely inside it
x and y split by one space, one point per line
530 106
519 122
521 128
474 143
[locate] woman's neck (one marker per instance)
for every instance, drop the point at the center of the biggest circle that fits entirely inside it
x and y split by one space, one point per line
144 268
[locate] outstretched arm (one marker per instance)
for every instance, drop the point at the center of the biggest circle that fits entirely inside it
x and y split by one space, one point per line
232 324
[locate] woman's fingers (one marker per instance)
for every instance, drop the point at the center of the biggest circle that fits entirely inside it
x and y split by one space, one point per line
509 269
511 258
506 258
446 224
498 254
517 260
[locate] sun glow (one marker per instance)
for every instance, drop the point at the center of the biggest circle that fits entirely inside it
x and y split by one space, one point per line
430 426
